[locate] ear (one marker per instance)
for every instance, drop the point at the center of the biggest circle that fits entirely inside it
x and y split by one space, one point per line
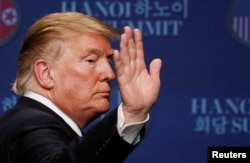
44 74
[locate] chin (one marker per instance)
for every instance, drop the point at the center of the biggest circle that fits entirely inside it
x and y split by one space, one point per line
105 103
104 110
103 107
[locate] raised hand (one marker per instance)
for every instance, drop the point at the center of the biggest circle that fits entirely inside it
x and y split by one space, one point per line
139 87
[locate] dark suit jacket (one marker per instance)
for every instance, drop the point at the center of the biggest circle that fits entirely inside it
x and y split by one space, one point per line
30 132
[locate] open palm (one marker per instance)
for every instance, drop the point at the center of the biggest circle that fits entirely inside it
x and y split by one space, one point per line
139 87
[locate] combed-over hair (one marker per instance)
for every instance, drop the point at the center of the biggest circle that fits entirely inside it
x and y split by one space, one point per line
38 42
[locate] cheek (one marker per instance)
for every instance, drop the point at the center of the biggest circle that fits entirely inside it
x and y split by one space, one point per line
77 76
81 86
75 83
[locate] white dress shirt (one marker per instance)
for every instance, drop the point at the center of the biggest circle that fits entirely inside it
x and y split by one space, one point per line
128 132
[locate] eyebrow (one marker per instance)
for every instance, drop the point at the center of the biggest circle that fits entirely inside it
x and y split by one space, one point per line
111 52
99 52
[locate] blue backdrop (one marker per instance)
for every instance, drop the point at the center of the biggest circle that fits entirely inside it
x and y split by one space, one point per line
204 98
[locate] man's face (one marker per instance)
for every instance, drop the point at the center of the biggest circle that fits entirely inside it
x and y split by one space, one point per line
82 76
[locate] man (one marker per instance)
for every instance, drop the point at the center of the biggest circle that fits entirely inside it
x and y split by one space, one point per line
64 74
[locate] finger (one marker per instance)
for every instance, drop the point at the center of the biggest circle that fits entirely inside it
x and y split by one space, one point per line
154 68
139 45
131 44
118 63
128 32
124 50
132 51
139 50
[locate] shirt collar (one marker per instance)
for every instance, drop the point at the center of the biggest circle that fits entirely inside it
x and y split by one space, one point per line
54 108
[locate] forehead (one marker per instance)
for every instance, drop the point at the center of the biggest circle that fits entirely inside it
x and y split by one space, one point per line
92 43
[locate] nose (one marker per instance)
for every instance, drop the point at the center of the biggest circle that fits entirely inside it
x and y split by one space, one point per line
107 73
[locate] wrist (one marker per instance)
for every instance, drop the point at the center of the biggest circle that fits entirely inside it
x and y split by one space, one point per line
134 116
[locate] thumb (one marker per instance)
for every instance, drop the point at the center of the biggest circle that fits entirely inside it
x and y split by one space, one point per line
155 67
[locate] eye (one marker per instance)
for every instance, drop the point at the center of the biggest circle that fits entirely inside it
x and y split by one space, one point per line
109 58
90 60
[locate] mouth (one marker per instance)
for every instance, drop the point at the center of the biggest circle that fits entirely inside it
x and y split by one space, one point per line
103 93
106 94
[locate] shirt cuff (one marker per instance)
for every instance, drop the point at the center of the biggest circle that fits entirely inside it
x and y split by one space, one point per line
129 132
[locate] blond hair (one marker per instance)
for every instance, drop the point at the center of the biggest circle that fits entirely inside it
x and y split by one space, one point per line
39 38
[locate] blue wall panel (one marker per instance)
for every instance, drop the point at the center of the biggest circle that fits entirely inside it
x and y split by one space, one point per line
204 99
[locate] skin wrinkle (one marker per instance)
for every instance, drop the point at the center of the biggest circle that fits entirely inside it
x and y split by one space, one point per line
100 74
81 80
73 76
